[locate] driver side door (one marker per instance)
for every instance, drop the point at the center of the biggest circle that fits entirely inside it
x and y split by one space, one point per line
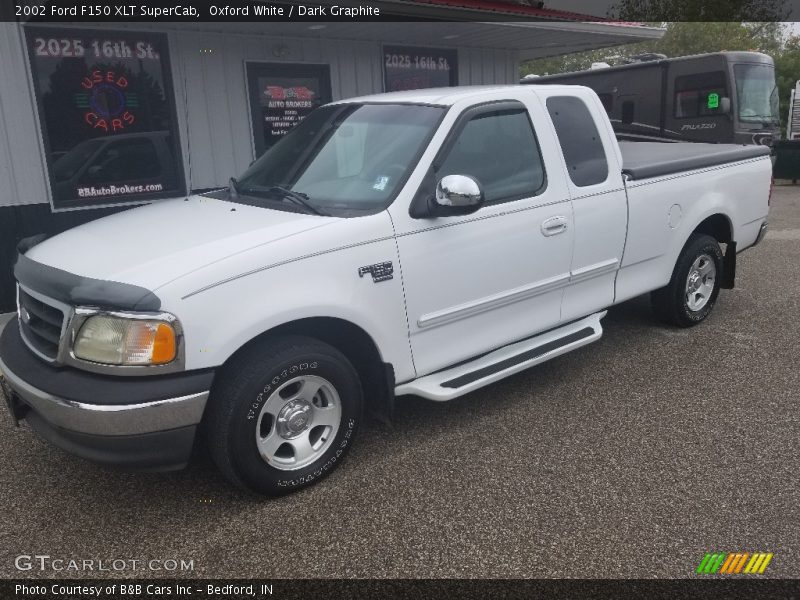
479 281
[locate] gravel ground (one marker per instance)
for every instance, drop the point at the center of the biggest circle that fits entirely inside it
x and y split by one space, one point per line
629 458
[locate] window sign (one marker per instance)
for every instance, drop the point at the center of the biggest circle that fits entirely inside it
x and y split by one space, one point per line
282 95
107 113
409 68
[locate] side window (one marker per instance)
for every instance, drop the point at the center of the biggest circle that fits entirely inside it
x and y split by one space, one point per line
579 139
698 95
500 150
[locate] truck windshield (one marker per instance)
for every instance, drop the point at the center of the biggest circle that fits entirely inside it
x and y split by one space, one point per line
756 93
341 159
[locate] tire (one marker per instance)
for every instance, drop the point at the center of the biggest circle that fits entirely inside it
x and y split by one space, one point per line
692 291
283 415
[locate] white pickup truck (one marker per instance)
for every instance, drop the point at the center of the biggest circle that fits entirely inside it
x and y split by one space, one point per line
427 242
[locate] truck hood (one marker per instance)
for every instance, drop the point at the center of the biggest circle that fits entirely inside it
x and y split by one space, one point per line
153 245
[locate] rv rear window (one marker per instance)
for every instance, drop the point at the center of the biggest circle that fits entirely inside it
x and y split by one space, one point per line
579 139
628 108
699 95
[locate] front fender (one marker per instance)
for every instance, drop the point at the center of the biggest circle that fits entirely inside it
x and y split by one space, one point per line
222 318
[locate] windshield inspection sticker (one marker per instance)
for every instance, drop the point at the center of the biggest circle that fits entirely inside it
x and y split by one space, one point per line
380 183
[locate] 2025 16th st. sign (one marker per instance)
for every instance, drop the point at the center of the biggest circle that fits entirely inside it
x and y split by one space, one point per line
107 115
413 68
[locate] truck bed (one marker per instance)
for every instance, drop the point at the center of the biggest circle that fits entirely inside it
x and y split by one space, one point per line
641 160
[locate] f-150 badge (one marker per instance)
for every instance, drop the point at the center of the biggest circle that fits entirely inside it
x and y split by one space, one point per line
380 272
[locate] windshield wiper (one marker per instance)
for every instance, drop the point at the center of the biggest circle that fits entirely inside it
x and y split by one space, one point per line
298 198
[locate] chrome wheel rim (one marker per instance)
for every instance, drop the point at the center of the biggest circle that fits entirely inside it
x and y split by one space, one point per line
298 422
700 282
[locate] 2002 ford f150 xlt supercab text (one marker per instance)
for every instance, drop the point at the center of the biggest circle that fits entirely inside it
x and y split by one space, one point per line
427 242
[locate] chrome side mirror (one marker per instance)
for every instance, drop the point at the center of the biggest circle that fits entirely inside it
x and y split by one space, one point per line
459 192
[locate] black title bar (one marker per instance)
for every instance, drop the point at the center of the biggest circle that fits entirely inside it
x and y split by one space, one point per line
193 11
387 589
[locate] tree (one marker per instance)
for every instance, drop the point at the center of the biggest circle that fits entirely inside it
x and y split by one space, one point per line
680 39
696 10
787 72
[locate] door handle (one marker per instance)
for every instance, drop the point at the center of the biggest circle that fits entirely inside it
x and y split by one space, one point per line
554 226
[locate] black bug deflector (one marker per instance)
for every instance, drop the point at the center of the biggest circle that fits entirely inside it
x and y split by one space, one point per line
76 290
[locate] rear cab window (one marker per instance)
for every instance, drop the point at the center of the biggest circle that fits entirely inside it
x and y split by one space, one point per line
580 141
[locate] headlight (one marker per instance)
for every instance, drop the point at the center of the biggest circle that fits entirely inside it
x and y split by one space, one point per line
116 340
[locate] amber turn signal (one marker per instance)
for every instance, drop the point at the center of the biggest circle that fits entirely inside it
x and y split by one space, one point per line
164 347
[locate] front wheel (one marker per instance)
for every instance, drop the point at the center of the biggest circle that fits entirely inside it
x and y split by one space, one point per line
693 289
283 415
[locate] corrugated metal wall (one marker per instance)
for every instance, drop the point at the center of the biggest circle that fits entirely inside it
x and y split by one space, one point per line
219 140
211 98
22 170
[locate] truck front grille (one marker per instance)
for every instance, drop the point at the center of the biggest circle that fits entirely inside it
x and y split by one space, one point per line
40 324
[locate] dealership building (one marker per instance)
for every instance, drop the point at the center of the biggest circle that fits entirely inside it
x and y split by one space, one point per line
97 118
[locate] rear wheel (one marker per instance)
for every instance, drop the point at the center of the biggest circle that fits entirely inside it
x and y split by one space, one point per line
284 415
692 291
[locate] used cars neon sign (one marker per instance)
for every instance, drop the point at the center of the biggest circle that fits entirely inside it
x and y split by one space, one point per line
107 102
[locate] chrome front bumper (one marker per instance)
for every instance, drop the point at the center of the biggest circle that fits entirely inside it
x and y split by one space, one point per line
108 420
136 422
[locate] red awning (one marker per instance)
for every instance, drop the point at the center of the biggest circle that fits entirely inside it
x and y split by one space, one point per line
513 8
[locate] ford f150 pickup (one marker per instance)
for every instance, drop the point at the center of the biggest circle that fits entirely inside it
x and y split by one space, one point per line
427 242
